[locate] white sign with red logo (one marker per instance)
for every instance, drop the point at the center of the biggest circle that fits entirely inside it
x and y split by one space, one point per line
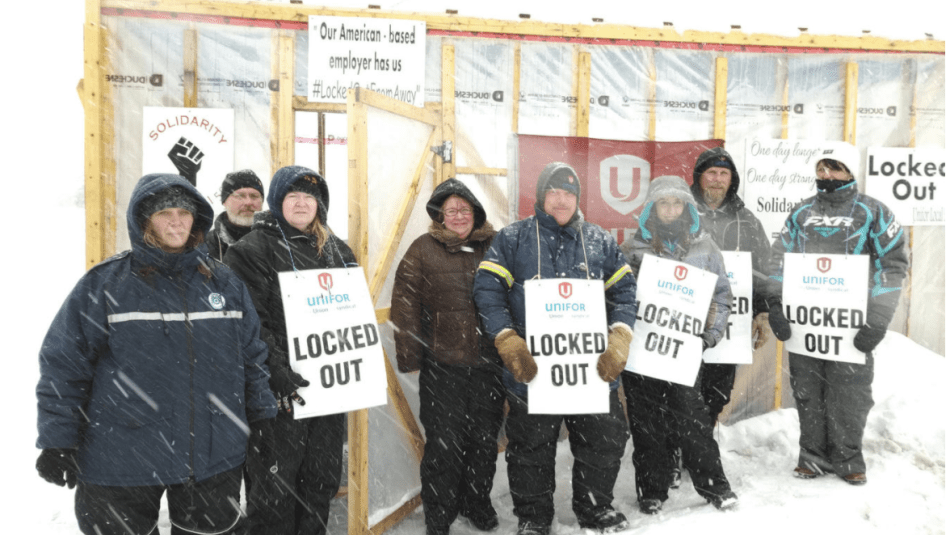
673 301
333 340
566 331
736 345
825 298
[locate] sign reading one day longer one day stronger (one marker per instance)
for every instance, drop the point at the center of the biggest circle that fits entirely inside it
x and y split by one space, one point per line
333 340
566 329
825 298
674 300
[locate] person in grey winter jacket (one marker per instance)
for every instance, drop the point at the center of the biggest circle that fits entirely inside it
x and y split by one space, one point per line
294 466
241 194
732 227
662 413
834 398
437 331
557 243
151 375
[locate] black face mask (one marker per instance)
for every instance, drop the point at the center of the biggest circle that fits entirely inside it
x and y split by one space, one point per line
830 184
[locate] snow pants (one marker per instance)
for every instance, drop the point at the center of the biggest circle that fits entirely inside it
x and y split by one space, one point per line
202 507
716 386
662 413
833 401
292 495
597 443
461 409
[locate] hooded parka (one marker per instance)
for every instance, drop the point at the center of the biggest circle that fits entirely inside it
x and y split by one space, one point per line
306 465
153 364
437 331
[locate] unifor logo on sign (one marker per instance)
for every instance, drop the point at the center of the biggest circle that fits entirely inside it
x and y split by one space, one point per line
824 264
325 280
624 180
680 272
565 289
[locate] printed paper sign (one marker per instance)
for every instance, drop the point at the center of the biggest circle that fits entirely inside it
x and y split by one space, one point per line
673 301
333 340
566 328
909 182
383 55
193 139
736 345
779 173
825 299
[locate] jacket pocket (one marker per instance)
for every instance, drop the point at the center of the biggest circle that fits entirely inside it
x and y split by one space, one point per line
229 432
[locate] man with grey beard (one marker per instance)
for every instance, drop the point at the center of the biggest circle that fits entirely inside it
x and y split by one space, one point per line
242 193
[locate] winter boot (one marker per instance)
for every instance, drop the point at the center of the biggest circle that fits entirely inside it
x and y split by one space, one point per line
482 520
857 478
804 473
724 502
606 521
527 527
650 506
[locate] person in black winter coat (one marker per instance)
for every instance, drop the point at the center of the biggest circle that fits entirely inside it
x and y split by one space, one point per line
241 194
151 374
295 467
461 398
733 227
834 398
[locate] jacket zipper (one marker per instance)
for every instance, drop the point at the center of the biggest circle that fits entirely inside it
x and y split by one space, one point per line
191 380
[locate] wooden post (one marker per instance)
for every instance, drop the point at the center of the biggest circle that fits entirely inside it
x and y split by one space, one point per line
190 62
285 97
582 92
516 88
448 107
92 100
719 117
850 102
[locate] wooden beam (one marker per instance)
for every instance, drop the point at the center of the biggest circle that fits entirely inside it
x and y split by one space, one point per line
357 497
719 115
397 516
651 98
490 171
406 418
391 243
380 101
782 75
850 101
285 96
516 88
616 32
190 62
358 208
448 107
582 92
93 59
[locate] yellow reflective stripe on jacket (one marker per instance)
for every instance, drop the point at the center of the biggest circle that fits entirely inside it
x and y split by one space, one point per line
499 270
618 275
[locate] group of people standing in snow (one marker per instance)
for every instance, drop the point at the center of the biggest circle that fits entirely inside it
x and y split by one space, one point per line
167 368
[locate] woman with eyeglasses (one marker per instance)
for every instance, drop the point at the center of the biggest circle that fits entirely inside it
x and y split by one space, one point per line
437 333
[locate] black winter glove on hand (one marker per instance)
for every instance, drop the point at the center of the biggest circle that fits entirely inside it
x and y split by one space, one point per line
708 340
58 466
285 382
262 441
778 322
871 333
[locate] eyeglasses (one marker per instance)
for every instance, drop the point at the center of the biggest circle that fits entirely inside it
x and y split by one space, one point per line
452 212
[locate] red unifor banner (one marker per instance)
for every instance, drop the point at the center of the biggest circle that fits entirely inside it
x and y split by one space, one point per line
615 175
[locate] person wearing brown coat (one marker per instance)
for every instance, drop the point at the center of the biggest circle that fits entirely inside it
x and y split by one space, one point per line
437 333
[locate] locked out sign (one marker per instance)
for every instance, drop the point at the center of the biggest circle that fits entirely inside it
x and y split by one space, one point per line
566 329
333 340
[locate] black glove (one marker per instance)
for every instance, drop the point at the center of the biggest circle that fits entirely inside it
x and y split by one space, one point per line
187 159
262 441
778 322
871 333
284 381
58 466
708 340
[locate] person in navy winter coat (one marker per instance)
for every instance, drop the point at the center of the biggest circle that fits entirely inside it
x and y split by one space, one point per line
150 374
557 243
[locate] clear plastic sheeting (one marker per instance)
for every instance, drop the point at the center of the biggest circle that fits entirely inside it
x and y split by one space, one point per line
685 92
620 84
817 84
547 105
484 69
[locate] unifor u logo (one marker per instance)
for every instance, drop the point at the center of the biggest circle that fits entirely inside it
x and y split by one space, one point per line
325 280
824 264
624 180
565 289
680 272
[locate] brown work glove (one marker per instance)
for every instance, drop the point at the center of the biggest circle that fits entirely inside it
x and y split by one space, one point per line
761 332
614 359
514 353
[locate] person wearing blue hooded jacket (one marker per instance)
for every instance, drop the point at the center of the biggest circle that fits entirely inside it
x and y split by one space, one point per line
557 243
150 374
294 467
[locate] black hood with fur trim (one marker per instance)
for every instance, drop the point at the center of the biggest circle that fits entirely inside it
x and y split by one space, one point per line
454 186
704 162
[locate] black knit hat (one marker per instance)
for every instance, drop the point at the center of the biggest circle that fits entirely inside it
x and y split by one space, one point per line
236 180
173 197
309 184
